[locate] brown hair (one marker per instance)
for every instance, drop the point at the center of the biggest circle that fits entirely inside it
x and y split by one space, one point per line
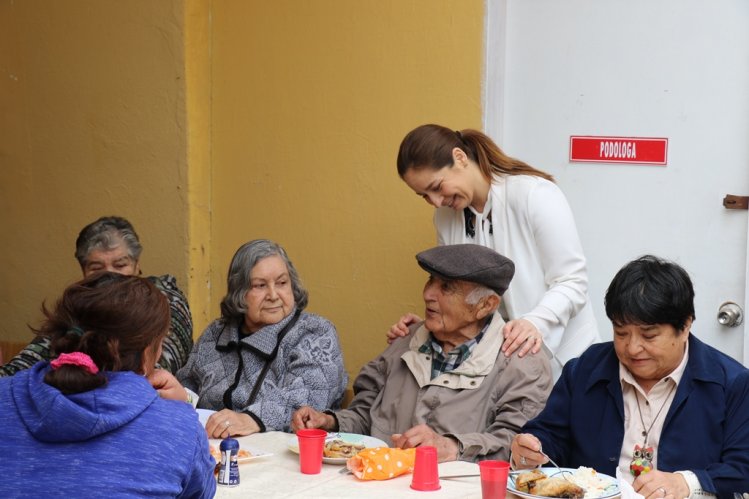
431 146
110 317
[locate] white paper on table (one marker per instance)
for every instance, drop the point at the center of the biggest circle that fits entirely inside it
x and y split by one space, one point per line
625 488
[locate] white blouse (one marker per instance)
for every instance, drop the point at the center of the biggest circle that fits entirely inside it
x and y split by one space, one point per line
532 224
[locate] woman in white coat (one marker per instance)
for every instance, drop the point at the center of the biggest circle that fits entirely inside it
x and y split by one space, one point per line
484 197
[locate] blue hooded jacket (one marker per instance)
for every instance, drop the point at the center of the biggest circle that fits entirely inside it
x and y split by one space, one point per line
119 440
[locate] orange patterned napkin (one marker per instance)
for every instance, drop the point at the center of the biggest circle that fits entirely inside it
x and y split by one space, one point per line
381 463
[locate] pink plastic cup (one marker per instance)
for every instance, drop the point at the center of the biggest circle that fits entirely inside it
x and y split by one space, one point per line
426 476
494 479
311 443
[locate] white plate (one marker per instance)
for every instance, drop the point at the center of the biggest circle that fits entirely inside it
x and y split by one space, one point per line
255 453
611 491
353 438
203 415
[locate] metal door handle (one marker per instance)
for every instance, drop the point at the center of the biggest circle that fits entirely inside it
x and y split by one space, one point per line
730 314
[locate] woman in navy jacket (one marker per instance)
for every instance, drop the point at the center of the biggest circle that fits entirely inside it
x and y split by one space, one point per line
656 385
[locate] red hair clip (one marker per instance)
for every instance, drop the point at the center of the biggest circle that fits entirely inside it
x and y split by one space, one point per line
75 359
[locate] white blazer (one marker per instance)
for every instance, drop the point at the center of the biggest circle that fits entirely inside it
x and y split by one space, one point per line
533 226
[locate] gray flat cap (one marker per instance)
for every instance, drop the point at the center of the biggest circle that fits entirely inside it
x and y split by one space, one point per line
469 262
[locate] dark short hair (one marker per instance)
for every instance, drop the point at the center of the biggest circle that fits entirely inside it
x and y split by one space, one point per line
651 290
106 233
233 305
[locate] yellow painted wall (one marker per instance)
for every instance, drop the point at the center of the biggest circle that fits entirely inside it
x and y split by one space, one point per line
310 100
92 122
209 123
198 102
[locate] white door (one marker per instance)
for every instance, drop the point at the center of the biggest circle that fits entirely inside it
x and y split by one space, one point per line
675 68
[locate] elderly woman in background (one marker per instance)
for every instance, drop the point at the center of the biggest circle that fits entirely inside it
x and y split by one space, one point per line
89 423
264 358
111 244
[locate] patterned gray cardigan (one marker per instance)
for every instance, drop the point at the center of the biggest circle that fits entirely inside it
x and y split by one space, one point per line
307 371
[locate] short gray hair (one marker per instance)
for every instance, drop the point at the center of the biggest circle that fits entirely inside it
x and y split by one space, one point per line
233 305
478 293
106 234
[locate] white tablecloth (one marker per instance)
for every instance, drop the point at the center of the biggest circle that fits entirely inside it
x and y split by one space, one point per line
279 476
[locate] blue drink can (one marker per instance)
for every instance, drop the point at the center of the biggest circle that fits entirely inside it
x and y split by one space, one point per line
228 473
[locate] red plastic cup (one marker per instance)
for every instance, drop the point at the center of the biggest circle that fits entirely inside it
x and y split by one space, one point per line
426 476
494 479
311 443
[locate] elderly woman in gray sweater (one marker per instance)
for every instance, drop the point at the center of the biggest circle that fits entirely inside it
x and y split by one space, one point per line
264 357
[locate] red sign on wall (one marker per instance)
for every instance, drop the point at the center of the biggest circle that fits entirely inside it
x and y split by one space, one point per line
640 150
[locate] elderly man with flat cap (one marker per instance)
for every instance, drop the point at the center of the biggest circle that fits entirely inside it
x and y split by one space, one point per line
446 384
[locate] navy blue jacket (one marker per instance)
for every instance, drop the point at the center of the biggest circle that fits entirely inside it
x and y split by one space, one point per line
706 429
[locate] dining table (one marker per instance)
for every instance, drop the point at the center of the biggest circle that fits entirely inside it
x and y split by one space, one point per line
277 475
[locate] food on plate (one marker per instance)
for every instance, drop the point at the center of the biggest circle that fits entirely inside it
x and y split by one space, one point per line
339 448
582 483
594 484
557 487
217 453
526 480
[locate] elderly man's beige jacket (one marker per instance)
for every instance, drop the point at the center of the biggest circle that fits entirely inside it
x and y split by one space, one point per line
483 403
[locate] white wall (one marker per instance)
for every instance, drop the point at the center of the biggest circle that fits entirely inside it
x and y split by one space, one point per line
673 68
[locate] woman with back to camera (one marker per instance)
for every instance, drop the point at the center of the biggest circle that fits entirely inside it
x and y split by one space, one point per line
265 357
484 197
89 423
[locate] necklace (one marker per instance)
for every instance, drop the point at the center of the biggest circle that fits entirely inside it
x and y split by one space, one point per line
470 222
642 457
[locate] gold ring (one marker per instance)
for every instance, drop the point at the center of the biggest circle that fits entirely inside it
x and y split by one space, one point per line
664 491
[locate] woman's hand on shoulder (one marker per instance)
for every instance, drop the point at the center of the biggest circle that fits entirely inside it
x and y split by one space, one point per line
167 385
400 328
523 336
227 423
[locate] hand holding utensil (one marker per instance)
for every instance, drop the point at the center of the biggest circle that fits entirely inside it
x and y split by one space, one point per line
559 471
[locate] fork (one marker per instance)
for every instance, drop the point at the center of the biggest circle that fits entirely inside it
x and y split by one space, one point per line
560 471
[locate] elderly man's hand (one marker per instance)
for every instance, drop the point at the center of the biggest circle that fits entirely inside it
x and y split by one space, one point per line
167 385
447 448
521 334
400 328
656 484
307 417
526 451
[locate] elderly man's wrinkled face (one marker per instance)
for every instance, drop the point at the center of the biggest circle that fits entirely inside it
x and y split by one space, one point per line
114 260
650 351
447 313
270 297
